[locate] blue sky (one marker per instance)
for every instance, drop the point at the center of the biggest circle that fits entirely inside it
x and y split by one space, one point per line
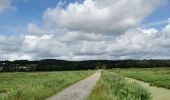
84 29
161 13
23 12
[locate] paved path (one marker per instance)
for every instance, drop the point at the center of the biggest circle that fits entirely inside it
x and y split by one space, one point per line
156 92
78 91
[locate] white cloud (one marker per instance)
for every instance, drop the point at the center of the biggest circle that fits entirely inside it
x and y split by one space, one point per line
32 42
95 29
167 28
100 16
135 43
15 56
25 57
149 31
78 35
33 28
4 5
9 44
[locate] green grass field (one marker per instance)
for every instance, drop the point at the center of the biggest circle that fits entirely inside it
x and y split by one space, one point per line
157 76
37 86
113 86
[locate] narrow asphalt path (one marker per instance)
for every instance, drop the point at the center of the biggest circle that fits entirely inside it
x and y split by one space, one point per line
78 91
156 92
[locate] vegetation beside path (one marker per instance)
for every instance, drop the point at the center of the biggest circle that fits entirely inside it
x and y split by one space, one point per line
159 77
37 86
115 87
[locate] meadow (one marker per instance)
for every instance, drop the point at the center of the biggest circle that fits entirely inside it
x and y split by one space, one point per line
113 86
155 76
38 85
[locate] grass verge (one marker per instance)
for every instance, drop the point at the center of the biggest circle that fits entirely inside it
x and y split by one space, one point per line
114 87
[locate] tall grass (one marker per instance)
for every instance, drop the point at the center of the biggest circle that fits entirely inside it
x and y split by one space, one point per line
36 86
156 76
114 87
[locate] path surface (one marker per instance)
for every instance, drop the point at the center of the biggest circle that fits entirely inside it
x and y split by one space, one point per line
78 91
156 92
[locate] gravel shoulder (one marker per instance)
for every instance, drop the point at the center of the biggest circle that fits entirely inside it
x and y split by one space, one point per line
156 92
78 91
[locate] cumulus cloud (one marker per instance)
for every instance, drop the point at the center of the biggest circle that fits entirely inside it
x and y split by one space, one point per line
31 42
109 16
9 44
33 28
16 56
167 28
135 43
10 48
94 29
4 5
80 36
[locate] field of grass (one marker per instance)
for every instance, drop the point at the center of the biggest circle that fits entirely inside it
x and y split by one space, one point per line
37 86
157 76
113 86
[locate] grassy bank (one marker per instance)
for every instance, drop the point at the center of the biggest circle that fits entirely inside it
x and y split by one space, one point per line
114 87
157 76
36 86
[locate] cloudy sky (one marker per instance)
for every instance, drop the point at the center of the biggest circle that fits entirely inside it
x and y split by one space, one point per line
84 29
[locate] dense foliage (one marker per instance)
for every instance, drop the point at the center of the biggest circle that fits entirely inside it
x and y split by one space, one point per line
53 65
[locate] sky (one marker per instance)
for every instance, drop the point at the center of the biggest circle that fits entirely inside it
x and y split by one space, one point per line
84 29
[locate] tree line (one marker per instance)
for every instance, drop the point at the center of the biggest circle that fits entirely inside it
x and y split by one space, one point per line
61 65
